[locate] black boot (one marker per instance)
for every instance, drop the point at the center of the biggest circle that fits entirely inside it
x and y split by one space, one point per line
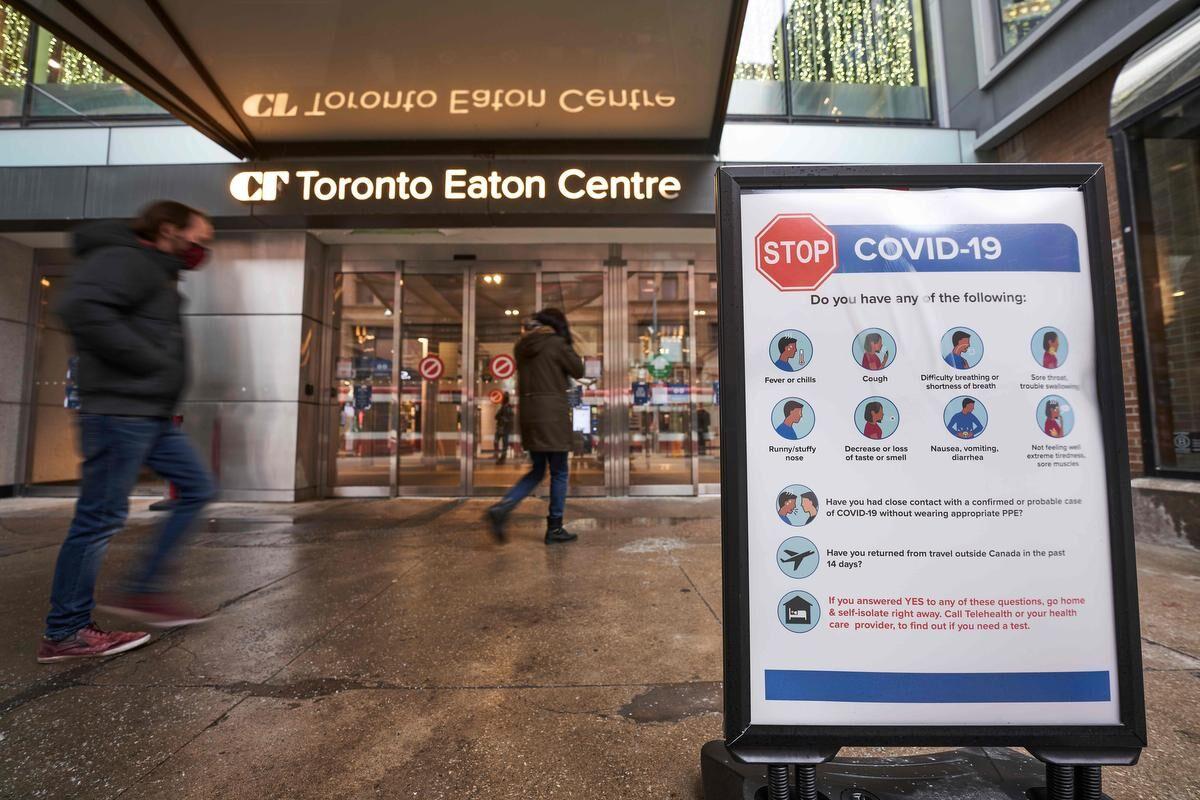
555 532
497 517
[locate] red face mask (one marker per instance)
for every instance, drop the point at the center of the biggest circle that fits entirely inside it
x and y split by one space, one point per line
194 256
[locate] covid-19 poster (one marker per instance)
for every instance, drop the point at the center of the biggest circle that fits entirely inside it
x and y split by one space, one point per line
928 531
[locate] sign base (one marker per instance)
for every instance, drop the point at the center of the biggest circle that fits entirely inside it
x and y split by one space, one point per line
981 773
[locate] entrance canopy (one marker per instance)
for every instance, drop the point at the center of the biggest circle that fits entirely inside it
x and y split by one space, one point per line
1157 73
267 78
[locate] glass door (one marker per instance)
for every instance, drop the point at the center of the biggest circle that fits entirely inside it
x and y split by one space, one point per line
659 366
363 312
503 295
430 428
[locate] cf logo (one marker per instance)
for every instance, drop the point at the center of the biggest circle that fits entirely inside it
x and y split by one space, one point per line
268 105
250 187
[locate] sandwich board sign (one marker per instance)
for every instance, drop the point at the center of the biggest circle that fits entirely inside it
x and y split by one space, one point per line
927 520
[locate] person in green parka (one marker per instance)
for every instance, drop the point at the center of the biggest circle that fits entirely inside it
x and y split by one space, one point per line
546 360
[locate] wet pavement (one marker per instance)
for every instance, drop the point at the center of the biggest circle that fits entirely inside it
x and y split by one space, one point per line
391 649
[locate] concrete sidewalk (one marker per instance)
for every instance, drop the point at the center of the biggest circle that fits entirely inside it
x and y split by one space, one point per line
390 649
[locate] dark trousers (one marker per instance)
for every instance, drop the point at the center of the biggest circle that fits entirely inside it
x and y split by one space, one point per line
114 450
501 447
530 480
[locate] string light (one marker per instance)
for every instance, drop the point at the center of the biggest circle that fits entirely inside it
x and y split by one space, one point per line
76 68
14 39
862 42
72 66
852 41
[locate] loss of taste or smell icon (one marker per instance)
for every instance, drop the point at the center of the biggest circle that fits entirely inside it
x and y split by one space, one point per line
877 418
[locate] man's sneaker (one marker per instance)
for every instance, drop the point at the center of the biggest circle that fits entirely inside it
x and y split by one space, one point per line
156 609
89 642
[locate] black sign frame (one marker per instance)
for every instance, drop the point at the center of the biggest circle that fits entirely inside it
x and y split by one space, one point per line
784 743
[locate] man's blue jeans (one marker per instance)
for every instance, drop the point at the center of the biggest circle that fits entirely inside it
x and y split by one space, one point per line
558 483
114 450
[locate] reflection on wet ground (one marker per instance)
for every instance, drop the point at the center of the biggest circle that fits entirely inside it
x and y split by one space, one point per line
390 648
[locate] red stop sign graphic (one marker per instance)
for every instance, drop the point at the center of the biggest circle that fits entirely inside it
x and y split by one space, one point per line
795 252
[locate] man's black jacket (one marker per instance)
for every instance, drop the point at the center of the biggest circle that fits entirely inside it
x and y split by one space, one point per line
122 308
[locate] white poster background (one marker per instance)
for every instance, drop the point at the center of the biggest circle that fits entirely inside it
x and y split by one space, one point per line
1064 300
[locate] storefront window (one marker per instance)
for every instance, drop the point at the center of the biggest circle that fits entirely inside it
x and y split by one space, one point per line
1020 18
14 70
61 81
758 81
1167 208
857 59
69 84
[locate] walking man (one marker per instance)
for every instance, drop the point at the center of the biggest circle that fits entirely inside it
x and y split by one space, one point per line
546 361
122 309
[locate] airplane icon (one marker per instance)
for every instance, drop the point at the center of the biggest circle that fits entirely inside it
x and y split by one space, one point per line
795 558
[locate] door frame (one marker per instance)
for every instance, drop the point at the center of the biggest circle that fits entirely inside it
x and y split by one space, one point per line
689 489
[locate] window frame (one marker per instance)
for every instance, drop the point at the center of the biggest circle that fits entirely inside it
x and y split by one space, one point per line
991 60
790 117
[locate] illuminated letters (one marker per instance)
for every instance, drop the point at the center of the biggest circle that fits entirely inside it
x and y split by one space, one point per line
616 187
456 184
460 186
250 187
268 105
575 101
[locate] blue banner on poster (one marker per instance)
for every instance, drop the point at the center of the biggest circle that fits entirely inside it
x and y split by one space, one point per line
829 686
994 247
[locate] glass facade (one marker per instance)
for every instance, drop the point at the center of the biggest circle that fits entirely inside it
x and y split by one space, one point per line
1165 155
44 78
1020 18
427 417
840 59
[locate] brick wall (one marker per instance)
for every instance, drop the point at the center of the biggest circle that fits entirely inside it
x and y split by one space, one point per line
1076 130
